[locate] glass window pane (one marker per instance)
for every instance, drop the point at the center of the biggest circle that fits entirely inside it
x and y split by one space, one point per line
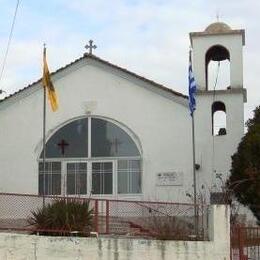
76 178
129 176
40 166
82 166
81 178
110 140
135 164
69 141
82 183
108 178
56 166
107 166
48 167
70 167
122 164
122 181
56 184
96 179
71 183
96 166
135 176
50 179
135 182
48 184
102 178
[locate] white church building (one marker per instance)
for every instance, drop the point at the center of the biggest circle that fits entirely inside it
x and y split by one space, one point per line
119 135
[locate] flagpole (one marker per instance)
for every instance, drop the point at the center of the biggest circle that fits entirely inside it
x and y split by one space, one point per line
44 140
47 86
194 177
192 105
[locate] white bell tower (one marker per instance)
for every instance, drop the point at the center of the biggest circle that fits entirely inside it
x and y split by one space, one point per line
214 147
218 42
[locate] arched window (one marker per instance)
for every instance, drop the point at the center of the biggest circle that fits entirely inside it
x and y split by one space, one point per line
217 68
90 155
219 120
70 141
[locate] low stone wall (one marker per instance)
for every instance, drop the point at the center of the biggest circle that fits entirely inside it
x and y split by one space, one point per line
32 247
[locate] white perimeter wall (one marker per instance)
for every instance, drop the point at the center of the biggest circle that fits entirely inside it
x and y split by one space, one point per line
31 247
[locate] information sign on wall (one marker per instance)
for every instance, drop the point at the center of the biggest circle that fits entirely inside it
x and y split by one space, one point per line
171 178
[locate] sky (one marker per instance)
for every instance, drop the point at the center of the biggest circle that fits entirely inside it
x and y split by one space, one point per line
148 37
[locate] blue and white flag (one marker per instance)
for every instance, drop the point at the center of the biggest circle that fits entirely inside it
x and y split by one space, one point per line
192 88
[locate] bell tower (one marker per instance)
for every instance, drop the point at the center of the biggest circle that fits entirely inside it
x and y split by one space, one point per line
218 42
219 116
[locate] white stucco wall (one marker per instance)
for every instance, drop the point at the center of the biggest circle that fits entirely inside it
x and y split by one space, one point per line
213 153
159 120
31 247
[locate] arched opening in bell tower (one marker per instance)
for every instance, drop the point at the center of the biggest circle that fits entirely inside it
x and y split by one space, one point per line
217 68
219 118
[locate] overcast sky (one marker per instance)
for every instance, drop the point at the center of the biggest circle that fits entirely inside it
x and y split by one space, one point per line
148 37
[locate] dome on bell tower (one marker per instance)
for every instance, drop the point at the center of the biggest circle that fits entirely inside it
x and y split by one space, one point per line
218 27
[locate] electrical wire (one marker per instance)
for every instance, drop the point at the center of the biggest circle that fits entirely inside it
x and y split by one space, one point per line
216 80
213 137
9 40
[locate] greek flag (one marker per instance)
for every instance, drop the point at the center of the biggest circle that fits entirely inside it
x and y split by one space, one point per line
192 88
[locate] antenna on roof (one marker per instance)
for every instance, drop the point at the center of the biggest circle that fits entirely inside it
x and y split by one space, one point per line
217 15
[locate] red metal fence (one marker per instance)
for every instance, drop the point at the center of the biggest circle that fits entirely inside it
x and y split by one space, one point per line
162 220
245 243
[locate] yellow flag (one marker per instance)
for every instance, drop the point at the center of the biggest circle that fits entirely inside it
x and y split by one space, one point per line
47 83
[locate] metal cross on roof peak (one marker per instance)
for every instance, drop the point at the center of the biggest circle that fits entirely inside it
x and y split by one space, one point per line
90 46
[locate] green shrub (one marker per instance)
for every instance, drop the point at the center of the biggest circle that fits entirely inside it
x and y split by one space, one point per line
63 216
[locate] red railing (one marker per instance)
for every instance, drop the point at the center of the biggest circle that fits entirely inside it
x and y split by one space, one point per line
245 243
165 220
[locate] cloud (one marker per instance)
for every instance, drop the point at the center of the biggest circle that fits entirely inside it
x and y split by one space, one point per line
149 37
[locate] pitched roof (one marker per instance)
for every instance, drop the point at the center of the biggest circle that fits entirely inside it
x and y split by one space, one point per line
93 57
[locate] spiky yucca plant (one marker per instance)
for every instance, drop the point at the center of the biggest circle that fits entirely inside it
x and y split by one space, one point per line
63 216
